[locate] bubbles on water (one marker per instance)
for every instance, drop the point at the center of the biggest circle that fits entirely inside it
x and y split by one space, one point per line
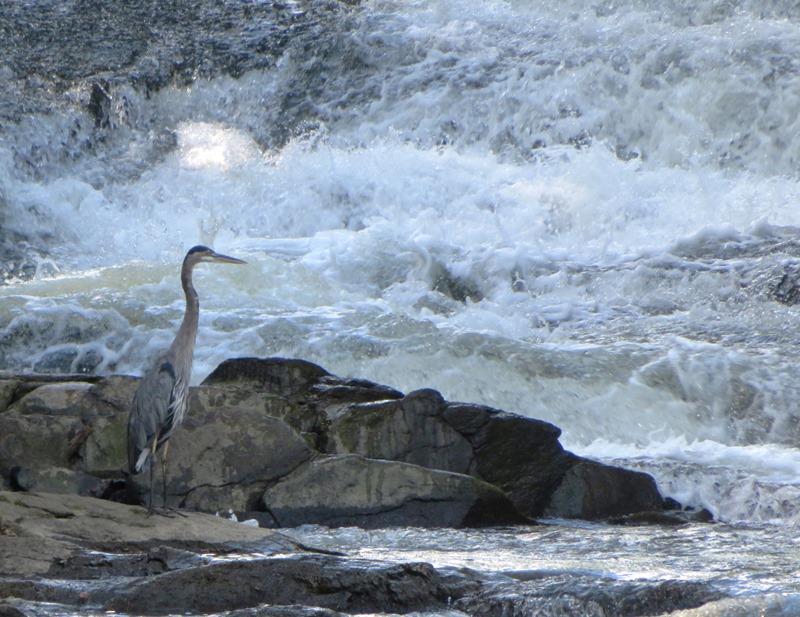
63 339
743 484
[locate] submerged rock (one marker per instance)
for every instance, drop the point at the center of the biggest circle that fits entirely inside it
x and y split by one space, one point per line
588 597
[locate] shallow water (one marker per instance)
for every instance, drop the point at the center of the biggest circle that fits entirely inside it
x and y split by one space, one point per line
584 214
701 552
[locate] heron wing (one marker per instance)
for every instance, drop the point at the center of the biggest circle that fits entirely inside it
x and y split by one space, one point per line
152 413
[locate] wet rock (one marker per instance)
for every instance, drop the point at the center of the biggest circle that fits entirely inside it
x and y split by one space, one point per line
8 387
666 518
591 490
8 610
521 456
588 598
353 490
787 288
293 610
312 580
59 361
84 554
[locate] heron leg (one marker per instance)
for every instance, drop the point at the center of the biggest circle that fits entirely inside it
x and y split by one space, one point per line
153 448
150 504
164 452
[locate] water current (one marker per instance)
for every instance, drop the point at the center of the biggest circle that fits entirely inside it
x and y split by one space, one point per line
587 213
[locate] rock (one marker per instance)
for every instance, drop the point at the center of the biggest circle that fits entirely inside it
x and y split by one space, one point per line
40 530
292 610
70 425
275 375
223 458
8 610
7 389
769 605
302 417
84 555
353 490
519 455
591 490
259 421
589 597
332 389
312 580
411 430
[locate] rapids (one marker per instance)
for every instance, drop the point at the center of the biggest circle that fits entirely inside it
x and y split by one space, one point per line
584 213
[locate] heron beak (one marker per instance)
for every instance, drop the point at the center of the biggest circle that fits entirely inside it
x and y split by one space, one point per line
226 259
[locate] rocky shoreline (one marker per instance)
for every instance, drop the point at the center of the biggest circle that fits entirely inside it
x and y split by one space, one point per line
65 554
285 443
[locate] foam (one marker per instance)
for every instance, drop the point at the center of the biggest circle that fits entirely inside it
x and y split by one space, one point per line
563 213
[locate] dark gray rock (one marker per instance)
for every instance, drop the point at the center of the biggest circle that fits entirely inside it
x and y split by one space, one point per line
410 429
521 456
9 610
590 597
223 458
281 376
322 581
353 490
591 490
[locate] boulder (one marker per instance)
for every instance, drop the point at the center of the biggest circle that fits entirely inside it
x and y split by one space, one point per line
522 456
353 490
223 458
285 377
410 429
590 490
67 426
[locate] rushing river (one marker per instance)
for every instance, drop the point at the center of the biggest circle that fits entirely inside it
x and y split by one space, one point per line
587 213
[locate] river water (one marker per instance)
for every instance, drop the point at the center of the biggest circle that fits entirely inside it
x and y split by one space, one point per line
587 213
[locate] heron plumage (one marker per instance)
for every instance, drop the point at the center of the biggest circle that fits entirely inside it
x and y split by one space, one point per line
160 402
158 407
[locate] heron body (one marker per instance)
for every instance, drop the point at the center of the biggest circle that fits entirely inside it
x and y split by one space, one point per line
160 401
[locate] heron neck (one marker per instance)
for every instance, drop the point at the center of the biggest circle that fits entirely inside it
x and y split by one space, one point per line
184 340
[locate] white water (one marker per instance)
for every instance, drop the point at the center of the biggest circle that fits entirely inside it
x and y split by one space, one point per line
616 187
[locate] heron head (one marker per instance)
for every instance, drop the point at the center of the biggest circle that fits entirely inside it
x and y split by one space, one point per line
203 254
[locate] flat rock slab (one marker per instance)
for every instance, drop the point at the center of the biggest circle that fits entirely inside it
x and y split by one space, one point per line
40 530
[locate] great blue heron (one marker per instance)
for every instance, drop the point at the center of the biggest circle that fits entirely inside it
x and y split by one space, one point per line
162 396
